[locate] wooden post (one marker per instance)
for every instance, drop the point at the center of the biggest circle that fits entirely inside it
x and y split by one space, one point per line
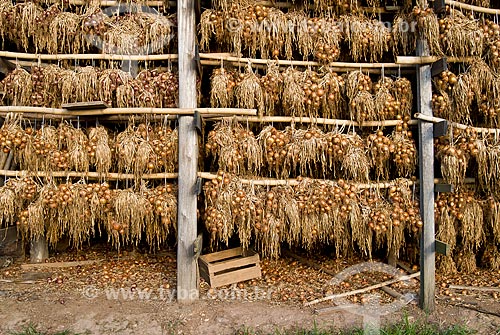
426 165
187 285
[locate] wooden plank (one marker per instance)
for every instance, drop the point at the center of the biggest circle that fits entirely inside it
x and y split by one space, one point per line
216 256
234 263
187 265
60 264
85 105
443 248
236 276
362 290
426 168
444 188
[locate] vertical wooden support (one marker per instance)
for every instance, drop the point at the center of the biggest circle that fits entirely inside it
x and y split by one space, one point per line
426 165
187 282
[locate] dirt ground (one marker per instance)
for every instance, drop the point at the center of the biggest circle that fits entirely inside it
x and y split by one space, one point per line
133 294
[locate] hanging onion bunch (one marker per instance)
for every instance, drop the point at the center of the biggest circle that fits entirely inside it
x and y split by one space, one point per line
235 148
326 37
132 213
492 218
468 213
441 106
164 141
405 153
352 152
275 145
18 87
405 39
361 102
222 88
368 39
488 152
293 92
163 199
491 32
446 81
428 28
386 105
218 207
126 148
248 92
333 94
401 90
65 34
306 152
99 149
272 88
74 140
460 35
12 136
454 153
109 81
94 24
380 149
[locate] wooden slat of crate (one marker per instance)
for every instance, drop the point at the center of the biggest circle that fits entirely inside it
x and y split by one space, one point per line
229 266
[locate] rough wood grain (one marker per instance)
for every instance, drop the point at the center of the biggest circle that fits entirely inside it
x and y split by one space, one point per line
426 168
187 287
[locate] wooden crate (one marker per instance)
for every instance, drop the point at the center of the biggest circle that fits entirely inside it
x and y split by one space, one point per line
229 266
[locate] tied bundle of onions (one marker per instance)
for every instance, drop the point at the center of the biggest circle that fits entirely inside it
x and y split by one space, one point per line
236 148
380 148
460 35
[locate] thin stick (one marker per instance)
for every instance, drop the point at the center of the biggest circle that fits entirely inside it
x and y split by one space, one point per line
60 264
128 111
476 288
366 289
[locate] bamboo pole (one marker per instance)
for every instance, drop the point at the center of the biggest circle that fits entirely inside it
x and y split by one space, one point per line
420 60
228 58
90 175
295 182
477 9
322 121
128 111
112 57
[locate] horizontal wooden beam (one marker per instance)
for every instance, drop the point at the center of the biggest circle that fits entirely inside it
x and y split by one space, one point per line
112 57
205 112
284 62
320 121
426 60
89 175
477 9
